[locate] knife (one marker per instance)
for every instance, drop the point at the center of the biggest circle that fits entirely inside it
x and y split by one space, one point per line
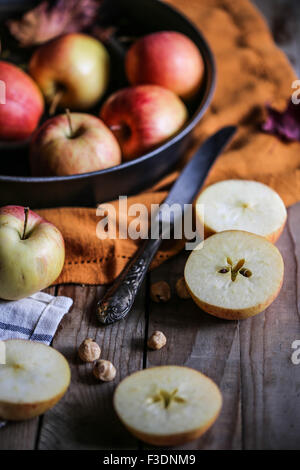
118 300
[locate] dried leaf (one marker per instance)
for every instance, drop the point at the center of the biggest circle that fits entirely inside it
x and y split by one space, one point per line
103 33
51 19
285 124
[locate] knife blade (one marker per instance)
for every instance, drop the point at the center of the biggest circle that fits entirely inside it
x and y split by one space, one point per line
118 300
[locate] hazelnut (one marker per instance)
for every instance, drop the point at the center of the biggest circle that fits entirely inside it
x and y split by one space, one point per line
157 340
89 351
160 291
104 370
181 289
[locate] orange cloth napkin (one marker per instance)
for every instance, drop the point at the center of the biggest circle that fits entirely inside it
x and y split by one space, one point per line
251 71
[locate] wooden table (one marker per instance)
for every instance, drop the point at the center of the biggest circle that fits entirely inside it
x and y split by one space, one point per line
250 360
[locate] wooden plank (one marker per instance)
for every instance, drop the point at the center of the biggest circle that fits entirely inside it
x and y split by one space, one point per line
200 341
270 381
85 419
23 435
19 436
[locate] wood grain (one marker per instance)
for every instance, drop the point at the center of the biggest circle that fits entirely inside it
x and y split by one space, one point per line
19 436
250 360
23 435
270 381
200 341
85 419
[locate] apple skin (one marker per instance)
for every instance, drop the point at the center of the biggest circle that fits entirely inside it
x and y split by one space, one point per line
143 117
93 146
24 106
166 58
75 65
30 265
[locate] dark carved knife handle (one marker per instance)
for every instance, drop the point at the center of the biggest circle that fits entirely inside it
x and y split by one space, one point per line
118 300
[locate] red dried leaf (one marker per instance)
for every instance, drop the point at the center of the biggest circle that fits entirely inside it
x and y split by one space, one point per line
285 124
51 19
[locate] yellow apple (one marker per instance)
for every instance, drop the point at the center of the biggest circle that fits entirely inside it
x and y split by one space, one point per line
32 253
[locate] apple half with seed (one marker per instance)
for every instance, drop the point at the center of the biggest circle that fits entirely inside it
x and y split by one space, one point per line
234 274
241 205
33 379
167 405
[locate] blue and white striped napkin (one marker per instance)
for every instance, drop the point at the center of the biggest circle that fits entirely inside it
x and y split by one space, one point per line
35 318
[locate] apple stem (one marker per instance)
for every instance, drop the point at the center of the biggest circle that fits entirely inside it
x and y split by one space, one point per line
55 101
70 122
26 212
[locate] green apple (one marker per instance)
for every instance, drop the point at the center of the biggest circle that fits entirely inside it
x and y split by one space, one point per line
72 71
73 143
32 253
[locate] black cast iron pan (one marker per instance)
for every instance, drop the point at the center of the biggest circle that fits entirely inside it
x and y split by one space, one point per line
17 187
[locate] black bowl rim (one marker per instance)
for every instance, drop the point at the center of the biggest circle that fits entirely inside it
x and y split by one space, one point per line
205 101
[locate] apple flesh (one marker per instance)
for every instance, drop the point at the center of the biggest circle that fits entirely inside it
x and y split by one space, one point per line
234 274
72 69
33 379
58 149
167 405
30 259
24 104
143 117
241 205
166 58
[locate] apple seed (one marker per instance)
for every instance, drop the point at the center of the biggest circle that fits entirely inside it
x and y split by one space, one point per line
246 272
235 270
223 270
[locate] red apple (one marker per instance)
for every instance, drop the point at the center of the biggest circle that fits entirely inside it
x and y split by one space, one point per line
166 58
32 253
23 106
143 117
72 71
73 144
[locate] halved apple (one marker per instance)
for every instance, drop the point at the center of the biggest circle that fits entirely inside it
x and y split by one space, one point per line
167 405
33 379
234 274
242 205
